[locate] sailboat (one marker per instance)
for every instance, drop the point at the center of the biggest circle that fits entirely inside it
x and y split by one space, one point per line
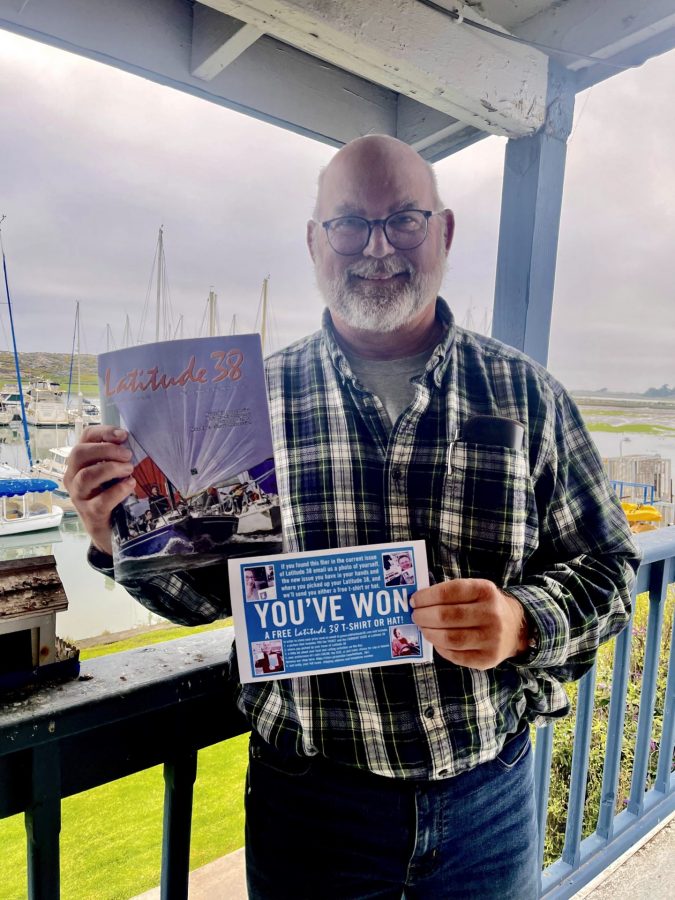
11 400
14 349
46 404
6 414
163 313
85 412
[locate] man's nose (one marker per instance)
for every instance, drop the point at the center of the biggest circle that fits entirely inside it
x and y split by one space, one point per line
378 246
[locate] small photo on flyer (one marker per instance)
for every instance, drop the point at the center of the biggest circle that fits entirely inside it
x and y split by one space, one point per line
405 641
268 657
259 582
398 569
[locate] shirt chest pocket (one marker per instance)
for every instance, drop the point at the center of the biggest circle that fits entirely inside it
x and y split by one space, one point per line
487 498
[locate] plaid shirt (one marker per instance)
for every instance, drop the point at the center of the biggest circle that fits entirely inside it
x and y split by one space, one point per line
542 523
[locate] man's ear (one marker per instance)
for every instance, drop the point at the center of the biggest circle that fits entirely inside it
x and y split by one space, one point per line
311 237
449 217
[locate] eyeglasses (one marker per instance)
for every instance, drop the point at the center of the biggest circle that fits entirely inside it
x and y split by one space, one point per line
405 230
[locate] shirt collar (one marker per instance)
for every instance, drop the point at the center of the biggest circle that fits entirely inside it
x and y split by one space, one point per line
439 358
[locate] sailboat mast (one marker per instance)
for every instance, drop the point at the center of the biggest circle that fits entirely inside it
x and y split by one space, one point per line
16 354
213 299
160 266
263 327
77 331
79 360
73 349
127 338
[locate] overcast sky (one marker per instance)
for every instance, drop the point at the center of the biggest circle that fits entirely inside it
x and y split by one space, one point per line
94 160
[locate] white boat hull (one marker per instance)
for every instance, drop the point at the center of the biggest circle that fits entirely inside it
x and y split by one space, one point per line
47 418
32 523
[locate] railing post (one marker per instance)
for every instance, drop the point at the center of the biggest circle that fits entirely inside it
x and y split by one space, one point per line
617 715
658 588
43 823
543 753
668 734
179 779
580 754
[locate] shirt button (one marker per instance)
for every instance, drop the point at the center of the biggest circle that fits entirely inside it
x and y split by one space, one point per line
442 772
429 712
396 474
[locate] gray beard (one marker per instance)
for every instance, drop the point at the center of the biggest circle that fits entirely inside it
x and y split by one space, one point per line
383 308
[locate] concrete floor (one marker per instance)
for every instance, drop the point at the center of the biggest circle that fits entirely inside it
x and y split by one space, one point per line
223 879
648 874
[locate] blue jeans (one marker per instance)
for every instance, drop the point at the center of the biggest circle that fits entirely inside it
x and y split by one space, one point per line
319 831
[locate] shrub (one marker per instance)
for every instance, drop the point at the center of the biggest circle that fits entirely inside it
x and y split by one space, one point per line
563 740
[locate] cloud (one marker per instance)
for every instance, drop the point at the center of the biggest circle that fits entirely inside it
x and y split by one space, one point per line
94 160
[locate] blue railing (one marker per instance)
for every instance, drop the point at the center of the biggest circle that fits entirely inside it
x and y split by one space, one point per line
648 490
162 704
583 860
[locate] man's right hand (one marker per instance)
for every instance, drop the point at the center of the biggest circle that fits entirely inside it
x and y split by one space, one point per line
96 461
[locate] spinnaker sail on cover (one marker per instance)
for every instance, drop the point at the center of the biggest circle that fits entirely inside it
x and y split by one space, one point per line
198 422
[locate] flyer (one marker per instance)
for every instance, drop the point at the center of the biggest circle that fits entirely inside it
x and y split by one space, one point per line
327 610
198 423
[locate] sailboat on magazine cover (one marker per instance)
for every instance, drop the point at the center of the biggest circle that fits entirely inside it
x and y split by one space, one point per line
205 486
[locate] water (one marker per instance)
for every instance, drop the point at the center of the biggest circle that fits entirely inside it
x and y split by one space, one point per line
96 604
618 443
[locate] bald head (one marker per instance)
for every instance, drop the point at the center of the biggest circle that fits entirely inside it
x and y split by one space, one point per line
376 157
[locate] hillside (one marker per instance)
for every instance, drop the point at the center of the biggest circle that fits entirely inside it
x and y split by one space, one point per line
54 366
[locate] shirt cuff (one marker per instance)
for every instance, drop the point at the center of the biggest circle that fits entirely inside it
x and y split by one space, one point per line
547 625
100 561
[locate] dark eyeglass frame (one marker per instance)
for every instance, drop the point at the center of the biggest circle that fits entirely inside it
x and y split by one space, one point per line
372 223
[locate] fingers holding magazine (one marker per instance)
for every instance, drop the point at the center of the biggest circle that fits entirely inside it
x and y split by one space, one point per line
98 477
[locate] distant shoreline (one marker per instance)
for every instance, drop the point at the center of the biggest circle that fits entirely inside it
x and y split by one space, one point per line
624 402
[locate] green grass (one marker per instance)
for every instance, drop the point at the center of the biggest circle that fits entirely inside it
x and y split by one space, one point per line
632 428
146 638
111 836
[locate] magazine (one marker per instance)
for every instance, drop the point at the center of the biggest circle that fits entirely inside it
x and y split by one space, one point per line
327 610
198 422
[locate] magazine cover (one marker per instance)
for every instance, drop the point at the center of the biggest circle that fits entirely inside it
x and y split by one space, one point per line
198 422
327 610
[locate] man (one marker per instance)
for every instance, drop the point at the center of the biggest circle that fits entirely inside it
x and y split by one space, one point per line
251 586
409 780
405 574
401 646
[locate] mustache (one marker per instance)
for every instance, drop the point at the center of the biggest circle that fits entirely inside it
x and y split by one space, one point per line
390 265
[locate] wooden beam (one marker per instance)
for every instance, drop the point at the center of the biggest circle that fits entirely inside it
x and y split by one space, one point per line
483 80
217 40
534 171
608 29
270 81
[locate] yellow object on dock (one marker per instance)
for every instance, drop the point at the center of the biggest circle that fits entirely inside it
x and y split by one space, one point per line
642 516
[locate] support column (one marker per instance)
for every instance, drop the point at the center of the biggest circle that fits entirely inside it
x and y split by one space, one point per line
43 823
534 171
179 779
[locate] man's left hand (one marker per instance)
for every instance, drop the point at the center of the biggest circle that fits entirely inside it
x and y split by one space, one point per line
471 622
